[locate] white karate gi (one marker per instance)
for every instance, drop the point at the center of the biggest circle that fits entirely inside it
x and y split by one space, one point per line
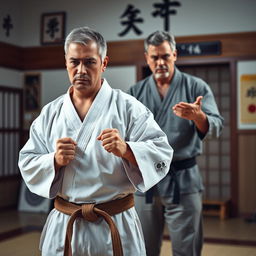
94 175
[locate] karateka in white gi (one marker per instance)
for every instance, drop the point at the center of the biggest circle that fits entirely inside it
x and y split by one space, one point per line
185 109
93 145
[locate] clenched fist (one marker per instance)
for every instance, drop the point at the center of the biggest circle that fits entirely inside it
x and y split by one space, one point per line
65 152
113 143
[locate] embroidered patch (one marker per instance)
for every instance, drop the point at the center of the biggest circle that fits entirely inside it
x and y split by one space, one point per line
161 165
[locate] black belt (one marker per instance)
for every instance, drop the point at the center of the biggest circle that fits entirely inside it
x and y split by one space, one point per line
175 166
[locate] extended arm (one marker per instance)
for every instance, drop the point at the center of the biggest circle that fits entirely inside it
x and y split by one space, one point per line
193 111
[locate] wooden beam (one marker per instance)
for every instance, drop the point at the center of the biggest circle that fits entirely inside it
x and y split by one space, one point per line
11 56
43 57
233 44
129 52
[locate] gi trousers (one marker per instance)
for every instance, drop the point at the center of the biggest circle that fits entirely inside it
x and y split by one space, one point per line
184 222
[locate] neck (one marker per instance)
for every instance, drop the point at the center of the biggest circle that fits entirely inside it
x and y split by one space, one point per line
82 102
162 82
162 86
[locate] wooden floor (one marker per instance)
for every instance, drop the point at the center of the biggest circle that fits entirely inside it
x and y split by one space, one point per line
20 232
210 249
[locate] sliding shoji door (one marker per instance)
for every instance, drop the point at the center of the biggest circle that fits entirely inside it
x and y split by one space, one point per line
215 161
11 116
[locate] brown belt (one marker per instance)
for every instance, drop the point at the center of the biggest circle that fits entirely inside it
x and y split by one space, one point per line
91 213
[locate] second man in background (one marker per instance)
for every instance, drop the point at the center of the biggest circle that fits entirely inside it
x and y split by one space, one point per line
185 109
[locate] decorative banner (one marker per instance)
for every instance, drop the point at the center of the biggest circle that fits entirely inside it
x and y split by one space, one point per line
248 99
53 28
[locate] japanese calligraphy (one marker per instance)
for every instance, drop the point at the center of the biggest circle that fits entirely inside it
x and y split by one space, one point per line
163 10
131 14
251 92
199 48
52 27
7 25
191 49
248 99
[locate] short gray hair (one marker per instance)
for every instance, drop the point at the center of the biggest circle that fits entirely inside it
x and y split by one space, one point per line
85 35
158 38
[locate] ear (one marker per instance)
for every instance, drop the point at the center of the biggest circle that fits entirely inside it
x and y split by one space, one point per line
175 54
104 64
66 62
146 56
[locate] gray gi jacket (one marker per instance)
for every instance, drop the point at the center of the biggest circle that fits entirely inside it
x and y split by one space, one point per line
182 134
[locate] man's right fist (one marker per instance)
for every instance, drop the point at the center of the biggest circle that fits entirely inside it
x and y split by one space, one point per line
65 152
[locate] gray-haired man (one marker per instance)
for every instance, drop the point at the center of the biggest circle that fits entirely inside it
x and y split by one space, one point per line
185 109
91 149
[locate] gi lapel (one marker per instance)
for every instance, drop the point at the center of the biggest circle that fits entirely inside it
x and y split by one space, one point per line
167 102
71 115
85 128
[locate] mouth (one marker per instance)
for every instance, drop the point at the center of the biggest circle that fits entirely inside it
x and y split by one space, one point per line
161 70
161 73
81 80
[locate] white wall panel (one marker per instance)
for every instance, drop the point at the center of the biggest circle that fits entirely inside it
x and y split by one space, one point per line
11 78
121 77
192 18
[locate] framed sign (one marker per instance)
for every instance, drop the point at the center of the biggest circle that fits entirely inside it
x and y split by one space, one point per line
246 94
199 48
53 28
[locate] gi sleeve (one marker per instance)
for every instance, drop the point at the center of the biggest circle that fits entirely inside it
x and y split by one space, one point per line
36 164
152 152
210 108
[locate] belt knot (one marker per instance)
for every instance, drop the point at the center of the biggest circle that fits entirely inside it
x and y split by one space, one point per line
88 212
91 212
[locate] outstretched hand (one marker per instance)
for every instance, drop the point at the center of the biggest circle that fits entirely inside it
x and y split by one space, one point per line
190 111
193 111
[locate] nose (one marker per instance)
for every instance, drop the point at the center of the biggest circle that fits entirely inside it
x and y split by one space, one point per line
81 69
160 61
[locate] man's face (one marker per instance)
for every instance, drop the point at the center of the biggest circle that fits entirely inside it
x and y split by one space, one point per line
161 60
84 66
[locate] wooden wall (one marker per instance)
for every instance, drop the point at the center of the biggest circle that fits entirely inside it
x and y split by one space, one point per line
9 192
130 52
247 173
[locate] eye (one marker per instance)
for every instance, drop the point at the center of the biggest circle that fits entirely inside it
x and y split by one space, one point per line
166 57
154 58
90 62
74 62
